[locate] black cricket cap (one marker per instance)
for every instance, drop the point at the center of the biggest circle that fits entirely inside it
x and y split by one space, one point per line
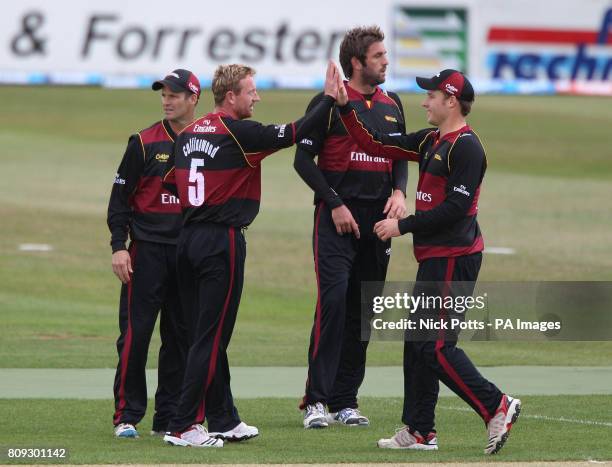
452 82
179 81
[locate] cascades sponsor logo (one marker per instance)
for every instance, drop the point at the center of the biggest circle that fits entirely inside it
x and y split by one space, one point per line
119 180
193 87
422 196
388 251
451 89
199 145
307 141
162 157
461 190
363 157
281 130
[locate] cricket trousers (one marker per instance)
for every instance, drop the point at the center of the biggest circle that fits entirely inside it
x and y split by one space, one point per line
428 361
210 260
153 287
337 352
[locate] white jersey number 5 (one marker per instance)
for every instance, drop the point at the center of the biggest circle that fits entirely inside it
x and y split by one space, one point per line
196 193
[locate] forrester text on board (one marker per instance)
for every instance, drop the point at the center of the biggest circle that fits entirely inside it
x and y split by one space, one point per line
279 43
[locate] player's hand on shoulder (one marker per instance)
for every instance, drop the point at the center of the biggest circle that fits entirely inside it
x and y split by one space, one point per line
344 221
122 265
386 229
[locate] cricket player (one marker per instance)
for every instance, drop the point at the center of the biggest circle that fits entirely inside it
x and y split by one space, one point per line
448 246
143 210
218 175
353 190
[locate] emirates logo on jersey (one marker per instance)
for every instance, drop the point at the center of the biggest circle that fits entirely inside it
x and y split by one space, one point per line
363 157
461 189
169 199
422 196
204 128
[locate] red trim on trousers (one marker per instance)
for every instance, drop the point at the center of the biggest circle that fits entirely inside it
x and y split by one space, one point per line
450 371
317 333
125 354
212 365
317 323
448 277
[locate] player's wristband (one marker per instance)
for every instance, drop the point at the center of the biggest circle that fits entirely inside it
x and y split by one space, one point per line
118 246
406 225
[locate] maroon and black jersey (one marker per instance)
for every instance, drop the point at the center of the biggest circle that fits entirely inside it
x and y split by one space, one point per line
139 205
351 172
217 160
451 170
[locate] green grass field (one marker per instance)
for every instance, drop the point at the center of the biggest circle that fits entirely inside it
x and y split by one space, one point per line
546 194
462 436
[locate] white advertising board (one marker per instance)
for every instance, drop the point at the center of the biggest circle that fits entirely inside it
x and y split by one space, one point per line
537 44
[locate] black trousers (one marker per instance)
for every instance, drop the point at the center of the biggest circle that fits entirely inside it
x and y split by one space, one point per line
153 288
428 361
210 260
337 353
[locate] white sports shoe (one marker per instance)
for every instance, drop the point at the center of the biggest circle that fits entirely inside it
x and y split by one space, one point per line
240 432
499 426
404 439
195 436
315 416
126 430
349 417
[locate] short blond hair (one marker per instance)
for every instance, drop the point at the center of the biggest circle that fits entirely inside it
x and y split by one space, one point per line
227 78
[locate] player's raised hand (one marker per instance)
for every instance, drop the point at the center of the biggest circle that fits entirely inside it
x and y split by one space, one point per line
386 229
122 265
344 221
331 80
342 98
